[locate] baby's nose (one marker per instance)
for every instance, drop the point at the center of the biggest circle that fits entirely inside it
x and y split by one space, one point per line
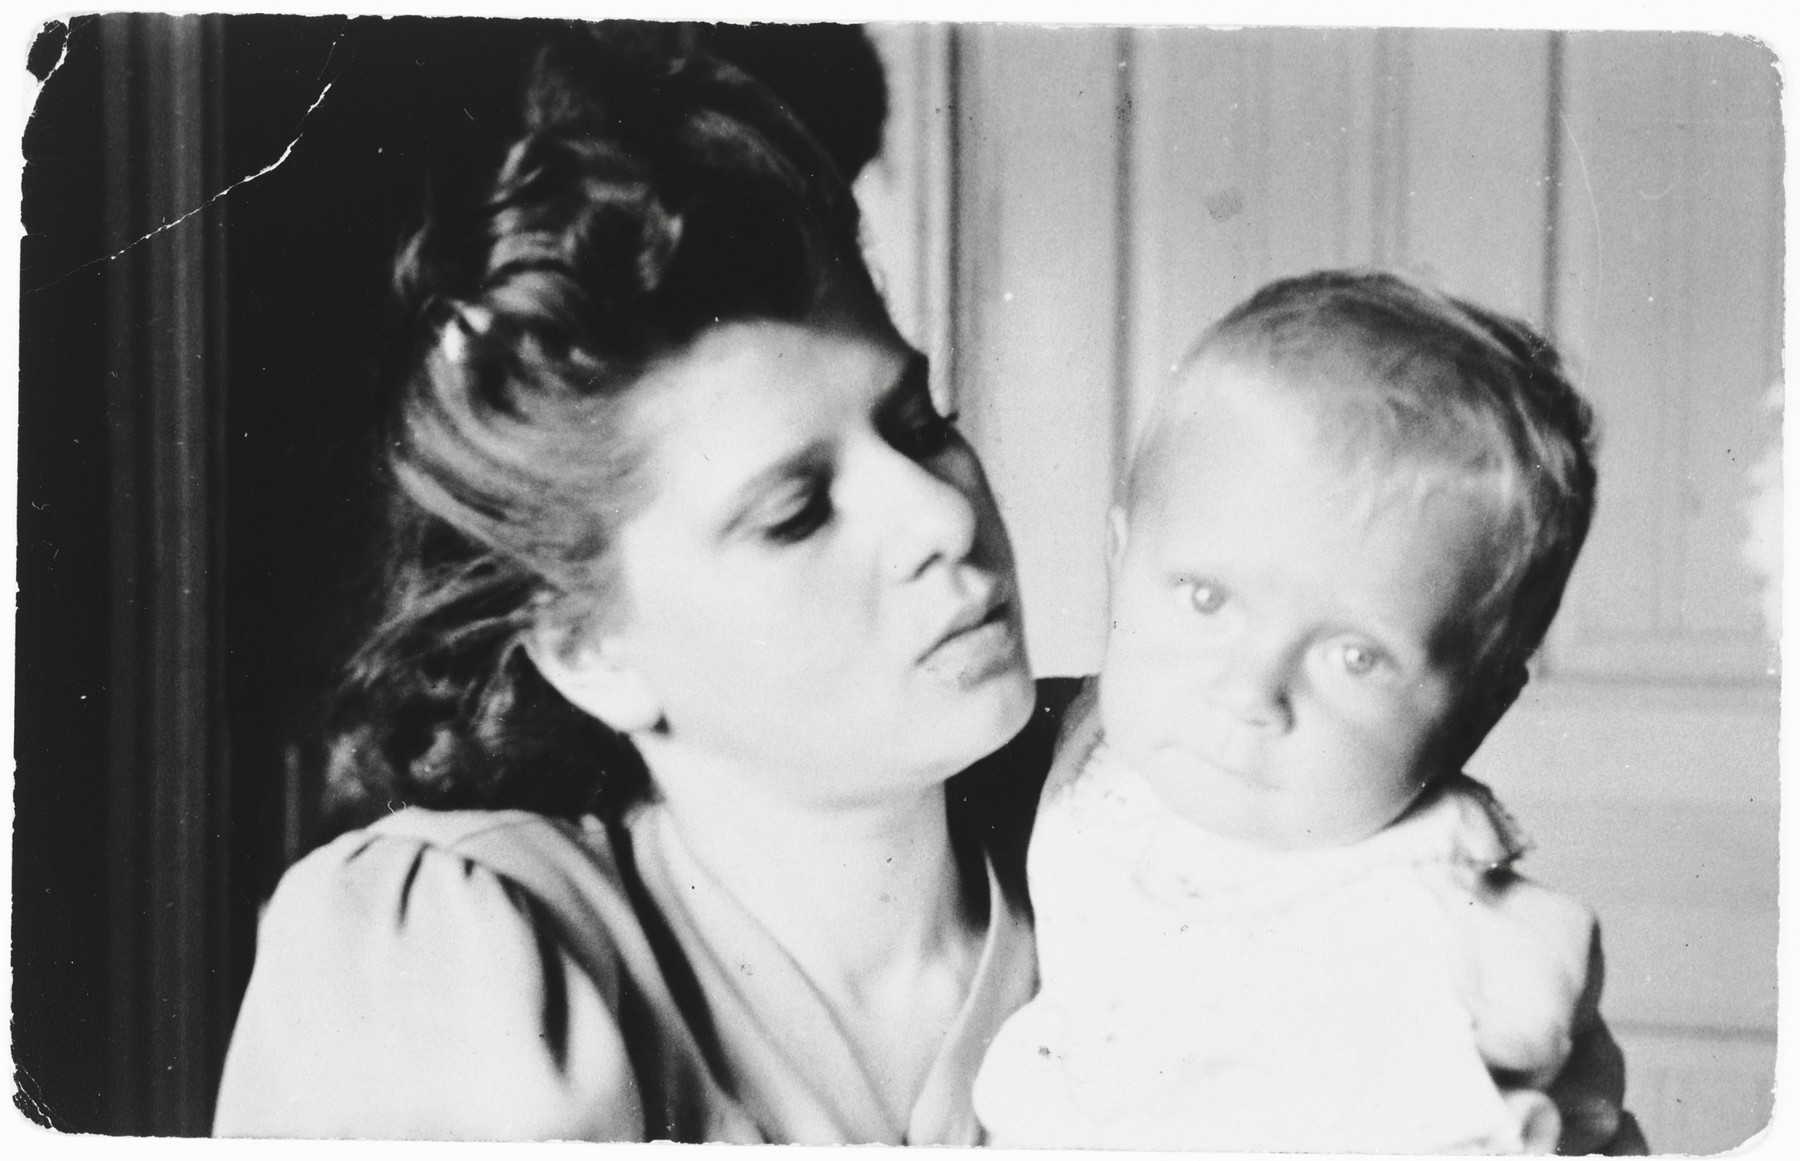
1254 682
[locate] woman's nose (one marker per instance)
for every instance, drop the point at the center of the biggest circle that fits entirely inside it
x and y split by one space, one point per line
930 519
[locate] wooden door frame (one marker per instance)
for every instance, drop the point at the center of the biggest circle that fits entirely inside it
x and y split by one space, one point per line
169 910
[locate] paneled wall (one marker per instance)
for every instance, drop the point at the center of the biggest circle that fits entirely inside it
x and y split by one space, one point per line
1670 253
1062 210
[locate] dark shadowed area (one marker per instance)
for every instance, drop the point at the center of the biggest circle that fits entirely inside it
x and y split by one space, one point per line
195 545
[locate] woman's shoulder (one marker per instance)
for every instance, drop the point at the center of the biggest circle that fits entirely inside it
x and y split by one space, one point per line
392 878
406 987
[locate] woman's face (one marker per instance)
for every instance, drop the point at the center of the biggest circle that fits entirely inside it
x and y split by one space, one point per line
819 592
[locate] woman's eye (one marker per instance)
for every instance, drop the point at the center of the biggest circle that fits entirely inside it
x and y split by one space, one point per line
801 516
924 435
1203 597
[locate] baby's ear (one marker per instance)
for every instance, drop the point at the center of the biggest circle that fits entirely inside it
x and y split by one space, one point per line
592 671
1117 529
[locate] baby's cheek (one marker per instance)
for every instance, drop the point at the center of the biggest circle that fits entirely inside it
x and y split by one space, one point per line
1401 729
1138 701
1363 772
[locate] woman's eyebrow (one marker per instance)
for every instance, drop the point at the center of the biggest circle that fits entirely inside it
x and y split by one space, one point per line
809 460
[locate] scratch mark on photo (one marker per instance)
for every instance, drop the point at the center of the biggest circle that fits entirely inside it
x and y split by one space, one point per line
299 132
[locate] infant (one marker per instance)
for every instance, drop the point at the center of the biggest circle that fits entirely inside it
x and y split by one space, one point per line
1272 913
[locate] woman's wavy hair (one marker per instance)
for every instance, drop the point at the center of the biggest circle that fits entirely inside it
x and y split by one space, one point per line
654 192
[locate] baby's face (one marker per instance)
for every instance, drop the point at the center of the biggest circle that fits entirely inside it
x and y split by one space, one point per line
1276 666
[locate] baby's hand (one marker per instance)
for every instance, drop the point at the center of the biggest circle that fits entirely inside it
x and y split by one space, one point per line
1540 1125
1527 969
1539 1027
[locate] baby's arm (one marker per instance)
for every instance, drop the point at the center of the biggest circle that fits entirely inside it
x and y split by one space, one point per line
1537 1006
1590 1090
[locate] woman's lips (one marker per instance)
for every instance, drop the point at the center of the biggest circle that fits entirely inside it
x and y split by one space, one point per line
980 643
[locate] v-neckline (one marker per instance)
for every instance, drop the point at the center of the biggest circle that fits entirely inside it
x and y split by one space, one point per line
792 1065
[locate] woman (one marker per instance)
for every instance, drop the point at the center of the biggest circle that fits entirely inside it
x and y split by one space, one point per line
697 609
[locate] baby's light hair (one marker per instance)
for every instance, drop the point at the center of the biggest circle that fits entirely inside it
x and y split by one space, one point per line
1413 385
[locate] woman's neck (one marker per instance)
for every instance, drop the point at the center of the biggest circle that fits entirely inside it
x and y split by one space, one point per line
865 901
859 895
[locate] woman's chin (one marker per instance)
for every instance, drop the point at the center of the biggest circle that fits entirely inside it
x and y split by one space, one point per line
974 724
1008 697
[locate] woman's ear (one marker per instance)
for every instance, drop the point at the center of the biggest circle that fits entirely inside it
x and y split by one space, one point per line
592 673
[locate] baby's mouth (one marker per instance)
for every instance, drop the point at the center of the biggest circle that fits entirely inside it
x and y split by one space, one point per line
1249 773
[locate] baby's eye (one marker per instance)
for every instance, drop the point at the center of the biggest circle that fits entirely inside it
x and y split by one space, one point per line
1203 597
1358 659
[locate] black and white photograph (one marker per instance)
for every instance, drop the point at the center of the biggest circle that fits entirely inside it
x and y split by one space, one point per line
1072 580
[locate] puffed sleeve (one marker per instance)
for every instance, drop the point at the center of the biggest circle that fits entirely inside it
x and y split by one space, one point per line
401 991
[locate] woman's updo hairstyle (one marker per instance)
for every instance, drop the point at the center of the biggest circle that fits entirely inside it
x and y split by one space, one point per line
653 193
